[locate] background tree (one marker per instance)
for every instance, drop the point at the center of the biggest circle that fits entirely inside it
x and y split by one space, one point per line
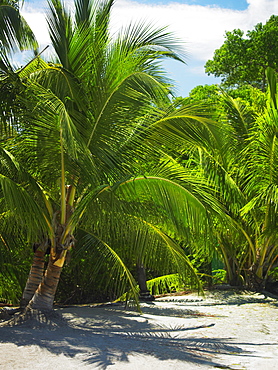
244 60
242 168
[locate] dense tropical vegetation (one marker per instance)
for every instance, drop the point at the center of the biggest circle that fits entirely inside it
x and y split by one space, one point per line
243 169
76 133
106 178
243 60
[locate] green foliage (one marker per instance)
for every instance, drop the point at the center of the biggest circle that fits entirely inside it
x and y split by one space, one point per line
242 60
13 253
241 165
273 274
243 170
207 93
15 34
84 126
10 290
166 284
95 155
249 96
219 276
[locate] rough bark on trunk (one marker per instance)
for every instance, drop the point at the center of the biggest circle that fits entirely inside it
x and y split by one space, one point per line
44 296
34 278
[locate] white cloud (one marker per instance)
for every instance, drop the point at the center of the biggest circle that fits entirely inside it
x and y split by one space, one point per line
38 24
201 28
261 10
35 17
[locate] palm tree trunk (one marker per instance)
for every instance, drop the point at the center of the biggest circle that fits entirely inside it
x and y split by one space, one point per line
34 278
44 296
233 277
142 282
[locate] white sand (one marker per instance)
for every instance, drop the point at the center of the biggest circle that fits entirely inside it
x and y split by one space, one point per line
224 330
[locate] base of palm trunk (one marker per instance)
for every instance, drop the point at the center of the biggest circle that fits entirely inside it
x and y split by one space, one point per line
6 313
272 287
146 296
35 319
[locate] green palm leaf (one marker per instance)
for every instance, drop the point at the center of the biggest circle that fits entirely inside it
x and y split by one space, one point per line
14 31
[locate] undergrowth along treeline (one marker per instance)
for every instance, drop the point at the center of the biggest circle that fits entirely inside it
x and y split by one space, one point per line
243 170
98 163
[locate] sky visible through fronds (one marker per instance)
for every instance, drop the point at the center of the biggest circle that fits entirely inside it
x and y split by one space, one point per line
199 24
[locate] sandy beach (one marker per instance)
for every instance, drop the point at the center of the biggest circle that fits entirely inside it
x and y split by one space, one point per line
225 330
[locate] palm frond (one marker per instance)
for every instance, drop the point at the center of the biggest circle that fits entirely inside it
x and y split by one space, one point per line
14 31
18 201
119 275
60 27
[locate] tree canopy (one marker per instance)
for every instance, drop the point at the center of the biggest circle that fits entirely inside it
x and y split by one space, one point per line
78 132
244 60
95 158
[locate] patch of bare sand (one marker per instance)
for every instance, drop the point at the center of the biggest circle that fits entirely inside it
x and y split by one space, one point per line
222 330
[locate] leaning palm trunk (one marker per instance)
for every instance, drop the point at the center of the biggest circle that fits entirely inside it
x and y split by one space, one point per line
44 296
34 278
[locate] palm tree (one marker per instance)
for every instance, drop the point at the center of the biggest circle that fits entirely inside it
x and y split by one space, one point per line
15 35
260 212
85 122
242 169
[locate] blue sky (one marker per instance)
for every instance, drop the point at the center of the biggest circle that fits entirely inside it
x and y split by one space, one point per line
200 26
228 4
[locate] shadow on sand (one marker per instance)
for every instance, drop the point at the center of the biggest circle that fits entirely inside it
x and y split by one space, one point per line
105 335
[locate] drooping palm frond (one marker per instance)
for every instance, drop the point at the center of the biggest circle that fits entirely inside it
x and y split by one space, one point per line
133 216
165 284
187 124
119 275
133 239
14 31
17 201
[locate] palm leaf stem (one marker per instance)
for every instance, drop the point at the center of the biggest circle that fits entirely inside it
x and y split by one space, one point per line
63 181
164 180
32 60
4 242
262 257
71 195
252 246
226 259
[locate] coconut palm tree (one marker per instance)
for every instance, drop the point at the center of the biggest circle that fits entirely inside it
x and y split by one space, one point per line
85 122
242 168
260 184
